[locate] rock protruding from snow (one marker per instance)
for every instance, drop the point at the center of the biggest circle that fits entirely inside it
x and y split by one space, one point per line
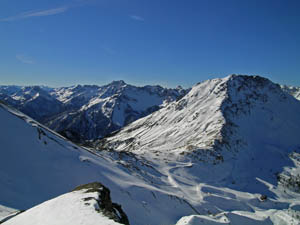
105 205
88 204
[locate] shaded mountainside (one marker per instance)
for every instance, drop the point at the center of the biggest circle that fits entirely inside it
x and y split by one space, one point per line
88 112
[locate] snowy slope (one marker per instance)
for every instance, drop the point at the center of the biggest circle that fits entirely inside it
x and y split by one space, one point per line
83 206
294 91
37 164
87 112
224 144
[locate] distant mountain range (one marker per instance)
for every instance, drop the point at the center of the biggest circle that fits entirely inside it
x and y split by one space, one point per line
88 112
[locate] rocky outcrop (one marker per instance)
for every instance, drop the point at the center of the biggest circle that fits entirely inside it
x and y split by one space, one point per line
106 206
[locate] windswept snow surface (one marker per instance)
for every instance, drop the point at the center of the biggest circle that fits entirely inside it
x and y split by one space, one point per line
74 208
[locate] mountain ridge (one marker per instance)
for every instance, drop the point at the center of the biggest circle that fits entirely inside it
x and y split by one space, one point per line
85 112
222 98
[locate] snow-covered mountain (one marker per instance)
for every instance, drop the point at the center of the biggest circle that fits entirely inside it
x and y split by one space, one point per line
294 91
240 133
88 112
228 152
211 117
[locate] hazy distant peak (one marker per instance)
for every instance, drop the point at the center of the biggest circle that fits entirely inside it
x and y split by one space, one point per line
118 83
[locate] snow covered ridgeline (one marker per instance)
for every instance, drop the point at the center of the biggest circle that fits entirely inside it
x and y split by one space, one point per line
88 204
88 112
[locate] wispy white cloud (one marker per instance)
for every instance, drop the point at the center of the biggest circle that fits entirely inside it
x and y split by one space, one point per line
25 59
36 13
48 12
138 18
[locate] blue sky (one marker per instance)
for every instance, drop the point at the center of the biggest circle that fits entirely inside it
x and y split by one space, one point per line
167 42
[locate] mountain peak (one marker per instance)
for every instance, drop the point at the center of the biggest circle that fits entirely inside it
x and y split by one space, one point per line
206 118
118 83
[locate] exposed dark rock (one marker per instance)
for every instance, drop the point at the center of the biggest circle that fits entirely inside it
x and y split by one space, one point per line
107 207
